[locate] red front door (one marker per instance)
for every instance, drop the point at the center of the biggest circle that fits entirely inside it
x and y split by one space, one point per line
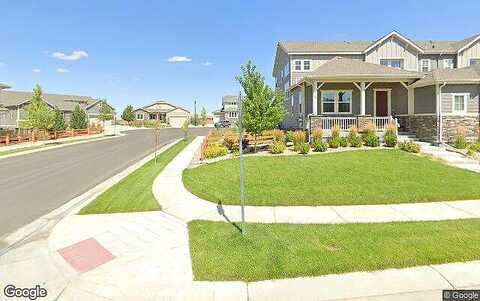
381 107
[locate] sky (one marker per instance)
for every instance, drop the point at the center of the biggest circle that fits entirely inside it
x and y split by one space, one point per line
137 52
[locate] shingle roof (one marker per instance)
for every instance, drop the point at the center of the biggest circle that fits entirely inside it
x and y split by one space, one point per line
63 102
145 108
4 85
466 74
340 67
429 47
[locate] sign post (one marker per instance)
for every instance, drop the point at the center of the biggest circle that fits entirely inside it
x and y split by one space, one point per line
240 146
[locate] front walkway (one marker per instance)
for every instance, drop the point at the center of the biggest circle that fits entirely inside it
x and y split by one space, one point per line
451 158
176 200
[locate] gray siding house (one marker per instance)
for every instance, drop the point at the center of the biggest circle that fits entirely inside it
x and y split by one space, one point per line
429 87
163 111
229 109
13 103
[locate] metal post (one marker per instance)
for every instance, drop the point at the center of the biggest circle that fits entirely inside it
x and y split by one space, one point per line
242 184
156 142
195 110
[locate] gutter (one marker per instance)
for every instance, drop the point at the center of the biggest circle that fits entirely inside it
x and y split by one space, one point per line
440 115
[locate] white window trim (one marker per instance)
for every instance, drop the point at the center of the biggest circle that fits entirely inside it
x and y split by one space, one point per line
138 114
336 102
466 97
452 66
429 64
389 101
302 65
402 59
472 58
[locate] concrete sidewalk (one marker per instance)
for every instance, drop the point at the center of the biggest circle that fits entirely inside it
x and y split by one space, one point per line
450 157
176 200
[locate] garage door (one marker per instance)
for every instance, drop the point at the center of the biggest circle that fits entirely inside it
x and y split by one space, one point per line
177 121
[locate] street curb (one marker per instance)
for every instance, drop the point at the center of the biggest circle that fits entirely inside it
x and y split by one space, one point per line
49 220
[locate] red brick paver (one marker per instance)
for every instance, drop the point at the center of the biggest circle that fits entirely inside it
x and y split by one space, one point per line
86 255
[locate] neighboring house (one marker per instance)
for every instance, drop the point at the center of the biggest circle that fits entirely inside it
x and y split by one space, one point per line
163 111
16 101
417 83
229 110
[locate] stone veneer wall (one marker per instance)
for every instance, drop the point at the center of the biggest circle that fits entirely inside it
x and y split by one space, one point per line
452 123
424 126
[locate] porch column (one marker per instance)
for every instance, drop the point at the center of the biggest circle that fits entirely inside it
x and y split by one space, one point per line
362 98
302 99
314 98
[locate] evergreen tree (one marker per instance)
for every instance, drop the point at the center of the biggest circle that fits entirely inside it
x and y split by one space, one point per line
38 114
128 114
79 118
58 120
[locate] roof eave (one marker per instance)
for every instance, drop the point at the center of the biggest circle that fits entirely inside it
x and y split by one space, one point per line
384 38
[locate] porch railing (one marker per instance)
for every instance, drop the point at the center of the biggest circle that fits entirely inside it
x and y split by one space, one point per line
345 123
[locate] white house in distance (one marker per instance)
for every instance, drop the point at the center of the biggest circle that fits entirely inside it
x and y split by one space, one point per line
163 111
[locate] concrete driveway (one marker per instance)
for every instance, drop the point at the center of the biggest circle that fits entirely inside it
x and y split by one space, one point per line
34 184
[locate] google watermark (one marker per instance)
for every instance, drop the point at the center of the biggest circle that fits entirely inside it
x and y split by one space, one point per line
32 293
461 295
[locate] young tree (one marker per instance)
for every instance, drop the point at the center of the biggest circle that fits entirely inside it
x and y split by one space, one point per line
262 106
38 114
185 129
128 114
58 120
79 118
203 117
106 112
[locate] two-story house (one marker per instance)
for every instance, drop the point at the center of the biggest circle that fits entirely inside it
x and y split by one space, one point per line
428 87
229 110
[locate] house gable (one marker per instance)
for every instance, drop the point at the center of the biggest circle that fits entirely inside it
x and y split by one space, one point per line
394 48
471 51
160 106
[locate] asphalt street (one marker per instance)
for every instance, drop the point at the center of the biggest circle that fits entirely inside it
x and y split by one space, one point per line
34 184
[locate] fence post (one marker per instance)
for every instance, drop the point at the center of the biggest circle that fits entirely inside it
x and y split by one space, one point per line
7 139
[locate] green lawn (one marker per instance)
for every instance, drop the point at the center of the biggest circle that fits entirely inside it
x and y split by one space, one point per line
134 192
273 251
347 178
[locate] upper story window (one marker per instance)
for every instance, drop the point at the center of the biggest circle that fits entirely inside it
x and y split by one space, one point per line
232 114
474 61
448 63
425 65
336 102
394 63
460 102
140 116
303 65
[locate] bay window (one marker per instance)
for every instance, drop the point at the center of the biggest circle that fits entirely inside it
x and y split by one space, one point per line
336 102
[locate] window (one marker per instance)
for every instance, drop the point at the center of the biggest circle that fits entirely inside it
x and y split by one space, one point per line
232 114
394 63
448 63
425 65
306 65
474 62
336 102
139 116
298 65
3 115
460 103
303 65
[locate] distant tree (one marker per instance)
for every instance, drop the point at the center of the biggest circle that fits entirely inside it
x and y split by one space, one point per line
203 116
79 118
262 106
58 120
38 114
128 114
106 112
185 129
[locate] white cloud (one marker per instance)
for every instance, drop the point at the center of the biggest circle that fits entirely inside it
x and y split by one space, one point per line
178 59
207 63
62 70
74 56
36 70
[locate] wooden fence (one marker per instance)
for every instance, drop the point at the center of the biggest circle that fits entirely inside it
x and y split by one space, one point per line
42 135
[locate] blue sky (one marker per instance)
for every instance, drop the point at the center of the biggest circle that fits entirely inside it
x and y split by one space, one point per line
119 49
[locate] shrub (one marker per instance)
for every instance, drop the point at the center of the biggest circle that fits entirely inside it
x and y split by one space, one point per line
277 147
303 148
391 135
334 142
335 131
343 142
231 141
289 136
370 137
353 138
317 135
460 139
214 151
278 135
475 147
298 138
319 146
409 146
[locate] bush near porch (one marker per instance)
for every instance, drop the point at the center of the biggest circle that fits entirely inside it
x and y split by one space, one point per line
340 178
